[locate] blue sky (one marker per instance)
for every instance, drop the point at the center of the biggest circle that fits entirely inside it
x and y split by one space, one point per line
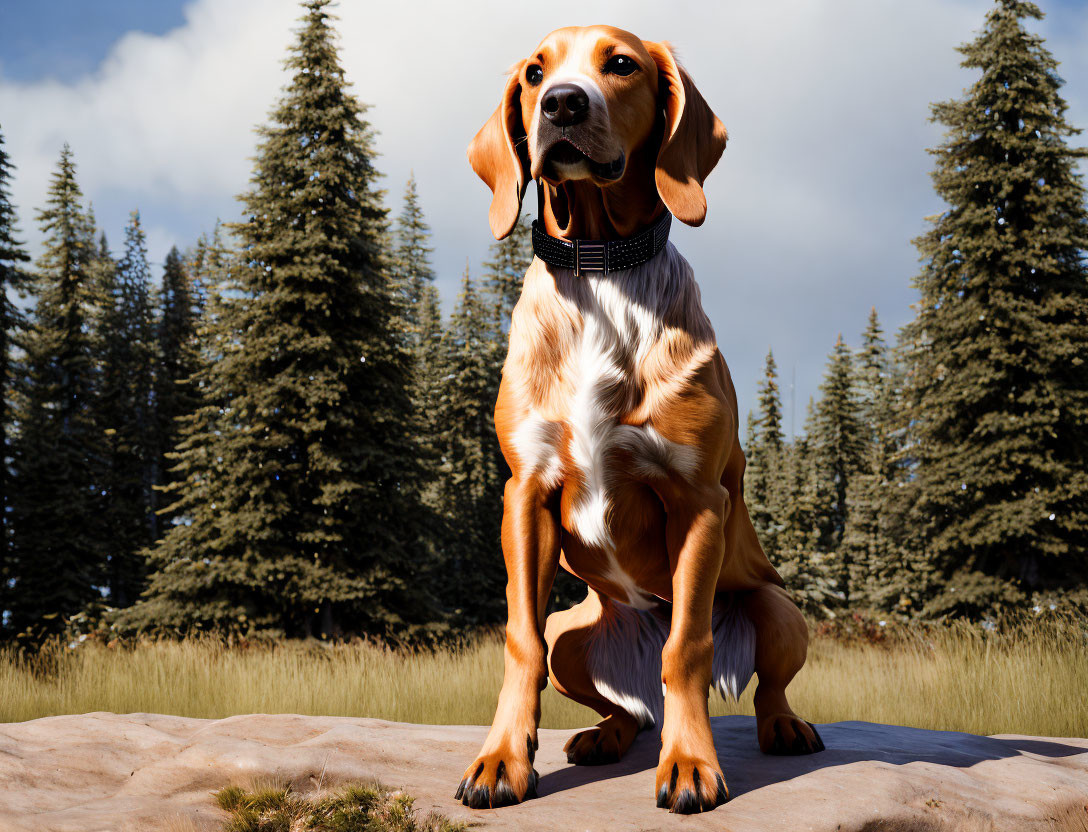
811 212
65 39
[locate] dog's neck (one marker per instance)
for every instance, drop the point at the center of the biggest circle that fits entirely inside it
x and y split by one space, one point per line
580 209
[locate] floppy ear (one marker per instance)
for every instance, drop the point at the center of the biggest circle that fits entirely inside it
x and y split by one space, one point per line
692 142
494 156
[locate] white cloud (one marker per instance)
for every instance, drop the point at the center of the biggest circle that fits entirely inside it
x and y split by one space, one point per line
812 208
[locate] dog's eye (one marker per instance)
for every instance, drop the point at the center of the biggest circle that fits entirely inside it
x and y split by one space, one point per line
534 75
620 65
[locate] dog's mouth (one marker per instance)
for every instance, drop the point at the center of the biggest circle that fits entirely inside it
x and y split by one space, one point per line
565 153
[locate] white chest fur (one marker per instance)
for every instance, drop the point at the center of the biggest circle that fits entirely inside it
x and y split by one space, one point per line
621 318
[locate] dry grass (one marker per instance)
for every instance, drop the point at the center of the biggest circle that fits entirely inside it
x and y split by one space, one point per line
1027 679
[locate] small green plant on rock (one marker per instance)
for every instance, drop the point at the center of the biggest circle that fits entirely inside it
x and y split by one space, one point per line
352 808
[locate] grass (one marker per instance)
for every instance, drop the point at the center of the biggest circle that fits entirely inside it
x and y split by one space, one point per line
1026 678
351 808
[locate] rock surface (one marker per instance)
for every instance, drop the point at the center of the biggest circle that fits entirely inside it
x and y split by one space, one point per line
143 772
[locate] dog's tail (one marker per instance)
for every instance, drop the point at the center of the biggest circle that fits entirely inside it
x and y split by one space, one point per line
734 646
623 655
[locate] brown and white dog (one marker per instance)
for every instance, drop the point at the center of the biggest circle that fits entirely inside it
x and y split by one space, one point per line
618 419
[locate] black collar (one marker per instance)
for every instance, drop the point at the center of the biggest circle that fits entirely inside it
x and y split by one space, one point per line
598 255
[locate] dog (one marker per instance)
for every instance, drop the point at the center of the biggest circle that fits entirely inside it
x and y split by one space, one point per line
618 419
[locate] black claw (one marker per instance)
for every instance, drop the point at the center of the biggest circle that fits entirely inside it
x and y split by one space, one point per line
530 790
596 756
469 793
662 797
504 795
572 754
590 757
723 792
779 744
686 803
800 744
479 798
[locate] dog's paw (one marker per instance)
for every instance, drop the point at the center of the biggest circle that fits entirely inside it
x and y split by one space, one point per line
500 778
594 747
686 785
788 734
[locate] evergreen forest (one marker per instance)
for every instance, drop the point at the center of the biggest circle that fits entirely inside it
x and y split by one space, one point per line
280 433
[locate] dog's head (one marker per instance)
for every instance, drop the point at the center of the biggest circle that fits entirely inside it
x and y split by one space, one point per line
598 104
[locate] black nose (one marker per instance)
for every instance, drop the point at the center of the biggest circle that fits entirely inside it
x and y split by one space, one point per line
565 104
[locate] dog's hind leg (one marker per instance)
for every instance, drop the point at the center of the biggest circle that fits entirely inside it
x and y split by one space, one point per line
607 656
780 647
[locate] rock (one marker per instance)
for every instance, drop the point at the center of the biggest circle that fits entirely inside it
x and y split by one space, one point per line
143 772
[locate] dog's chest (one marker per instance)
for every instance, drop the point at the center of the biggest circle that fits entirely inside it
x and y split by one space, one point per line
592 447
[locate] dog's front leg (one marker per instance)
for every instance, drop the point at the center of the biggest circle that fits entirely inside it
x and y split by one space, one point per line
689 778
503 772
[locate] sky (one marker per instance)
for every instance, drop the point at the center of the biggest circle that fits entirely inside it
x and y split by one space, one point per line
812 208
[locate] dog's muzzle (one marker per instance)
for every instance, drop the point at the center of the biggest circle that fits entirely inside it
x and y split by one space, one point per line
569 138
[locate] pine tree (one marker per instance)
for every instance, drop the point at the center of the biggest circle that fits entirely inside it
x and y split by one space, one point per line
178 359
13 279
755 478
998 351
839 445
422 317
126 348
196 472
428 353
58 553
881 576
412 260
770 406
763 477
509 259
415 274
872 374
472 480
304 504
801 559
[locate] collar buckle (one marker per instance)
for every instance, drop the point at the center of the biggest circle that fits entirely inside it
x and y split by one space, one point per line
590 256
